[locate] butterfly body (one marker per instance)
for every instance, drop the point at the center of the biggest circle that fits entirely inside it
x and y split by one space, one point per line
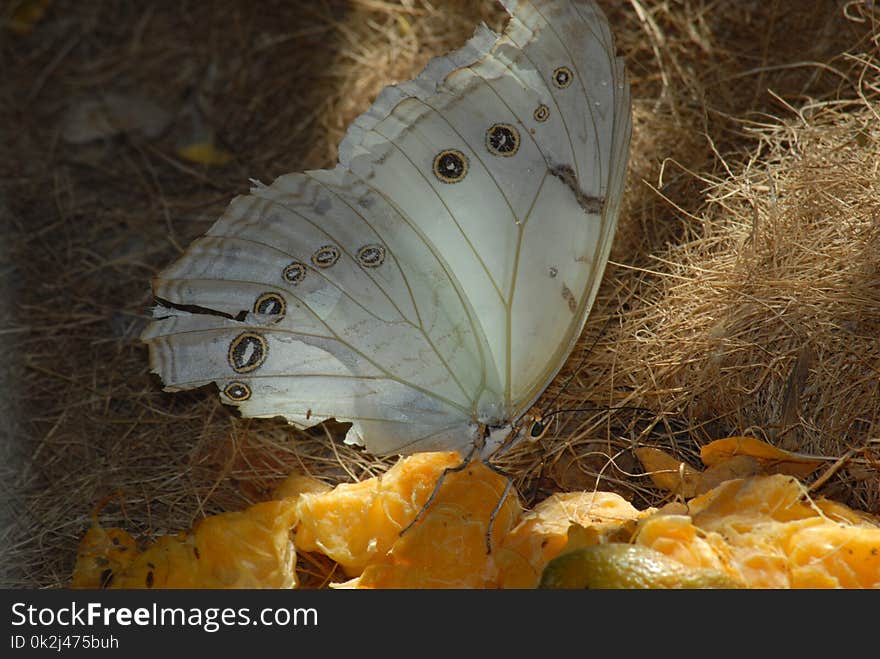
431 285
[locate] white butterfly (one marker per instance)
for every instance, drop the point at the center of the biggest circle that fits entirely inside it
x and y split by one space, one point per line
430 287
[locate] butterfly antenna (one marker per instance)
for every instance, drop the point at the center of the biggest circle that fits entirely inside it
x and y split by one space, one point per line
604 408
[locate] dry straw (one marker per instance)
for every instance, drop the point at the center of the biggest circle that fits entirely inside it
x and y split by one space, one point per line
743 297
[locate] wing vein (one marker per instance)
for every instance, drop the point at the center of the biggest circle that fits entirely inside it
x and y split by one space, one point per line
448 211
476 329
587 103
509 355
388 375
421 326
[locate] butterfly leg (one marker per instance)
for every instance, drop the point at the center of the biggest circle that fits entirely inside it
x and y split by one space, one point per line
449 470
498 505
495 512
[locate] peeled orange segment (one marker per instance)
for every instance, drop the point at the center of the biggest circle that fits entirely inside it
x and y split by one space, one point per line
767 532
547 529
759 532
248 549
447 548
297 484
357 523
103 554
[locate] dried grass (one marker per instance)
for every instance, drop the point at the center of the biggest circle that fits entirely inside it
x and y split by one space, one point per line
743 297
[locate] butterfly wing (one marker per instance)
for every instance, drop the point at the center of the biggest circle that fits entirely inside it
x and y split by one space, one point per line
417 288
582 126
313 298
538 122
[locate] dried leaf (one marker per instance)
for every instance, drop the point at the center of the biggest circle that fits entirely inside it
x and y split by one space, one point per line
668 473
771 459
739 466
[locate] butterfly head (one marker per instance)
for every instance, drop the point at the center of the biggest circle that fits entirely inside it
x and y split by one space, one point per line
497 440
536 428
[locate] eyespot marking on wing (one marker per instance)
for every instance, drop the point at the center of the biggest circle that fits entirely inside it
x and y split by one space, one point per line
502 140
541 113
237 391
247 352
326 256
450 166
371 256
294 273
562 77
270 304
